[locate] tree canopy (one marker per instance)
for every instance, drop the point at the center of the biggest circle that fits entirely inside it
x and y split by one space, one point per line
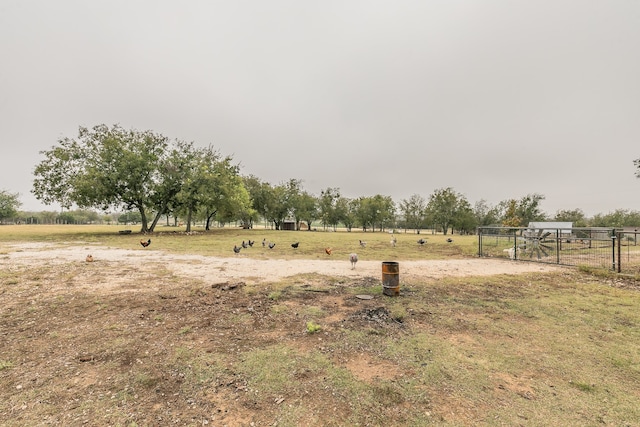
110 167
444 206
146 173
9 204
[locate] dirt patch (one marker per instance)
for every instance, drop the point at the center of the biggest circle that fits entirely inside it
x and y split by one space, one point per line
150 338
216 269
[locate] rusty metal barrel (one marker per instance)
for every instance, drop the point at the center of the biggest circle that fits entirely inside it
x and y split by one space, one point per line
390 278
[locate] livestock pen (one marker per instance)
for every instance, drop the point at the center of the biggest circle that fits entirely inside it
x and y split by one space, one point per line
593 247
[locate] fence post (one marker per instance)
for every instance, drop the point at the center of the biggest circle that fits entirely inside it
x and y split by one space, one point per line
619 239
558 246
613 250
480 241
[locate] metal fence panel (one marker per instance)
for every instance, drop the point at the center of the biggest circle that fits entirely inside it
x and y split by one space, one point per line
577 246
628 252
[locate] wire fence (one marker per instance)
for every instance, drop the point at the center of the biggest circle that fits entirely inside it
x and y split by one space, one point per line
600 247
628 251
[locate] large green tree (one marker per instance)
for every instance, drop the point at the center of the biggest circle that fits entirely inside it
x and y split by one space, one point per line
277 204
465 221
509 213
485 214
111 167
294 191
212 189
363 212
305 209
520 212
375 211
413 210
618 218
9 204
345 212
253 184
575 216
528 209
382 212
444 204
270 201
327 207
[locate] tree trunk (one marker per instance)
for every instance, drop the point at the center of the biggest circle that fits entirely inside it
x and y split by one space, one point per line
159 214
209 218
143 220
189 213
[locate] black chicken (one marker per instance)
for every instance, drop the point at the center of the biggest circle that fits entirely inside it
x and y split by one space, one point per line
236 249
271 245
422 241
295 245
251 242
145 244
449 240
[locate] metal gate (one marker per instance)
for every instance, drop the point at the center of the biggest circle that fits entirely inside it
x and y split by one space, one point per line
594 247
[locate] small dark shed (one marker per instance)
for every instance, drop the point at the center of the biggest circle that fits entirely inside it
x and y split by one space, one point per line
289 225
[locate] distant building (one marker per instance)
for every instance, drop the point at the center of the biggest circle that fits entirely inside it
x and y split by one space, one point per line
288 225
563 227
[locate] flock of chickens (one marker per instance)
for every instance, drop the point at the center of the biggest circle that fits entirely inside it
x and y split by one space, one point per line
353 257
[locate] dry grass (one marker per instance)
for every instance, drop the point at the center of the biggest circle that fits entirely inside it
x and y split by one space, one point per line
220 241
531 349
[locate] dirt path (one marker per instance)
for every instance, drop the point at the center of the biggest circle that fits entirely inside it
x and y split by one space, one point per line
217 269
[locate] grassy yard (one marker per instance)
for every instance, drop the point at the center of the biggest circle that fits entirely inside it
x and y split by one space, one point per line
220 241
158 349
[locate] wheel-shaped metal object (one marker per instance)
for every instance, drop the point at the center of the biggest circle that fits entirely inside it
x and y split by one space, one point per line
535 241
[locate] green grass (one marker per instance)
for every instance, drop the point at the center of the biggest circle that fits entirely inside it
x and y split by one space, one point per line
530 349
313 327
220 241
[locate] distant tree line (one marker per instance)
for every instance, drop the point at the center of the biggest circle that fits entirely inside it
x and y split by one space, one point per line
147 177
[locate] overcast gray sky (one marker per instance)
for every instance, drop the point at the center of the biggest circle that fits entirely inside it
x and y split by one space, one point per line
496 99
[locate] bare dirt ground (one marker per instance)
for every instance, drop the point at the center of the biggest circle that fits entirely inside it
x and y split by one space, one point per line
115 341
251 270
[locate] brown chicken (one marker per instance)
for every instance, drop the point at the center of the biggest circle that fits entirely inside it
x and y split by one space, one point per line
145 243
328 251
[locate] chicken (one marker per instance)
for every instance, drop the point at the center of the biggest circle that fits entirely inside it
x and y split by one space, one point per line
245 245
236 249
145 244
295 245
422 241
449 240
363 244
328 251
89 258
393 240
271 245
251 242
353 258
264 242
